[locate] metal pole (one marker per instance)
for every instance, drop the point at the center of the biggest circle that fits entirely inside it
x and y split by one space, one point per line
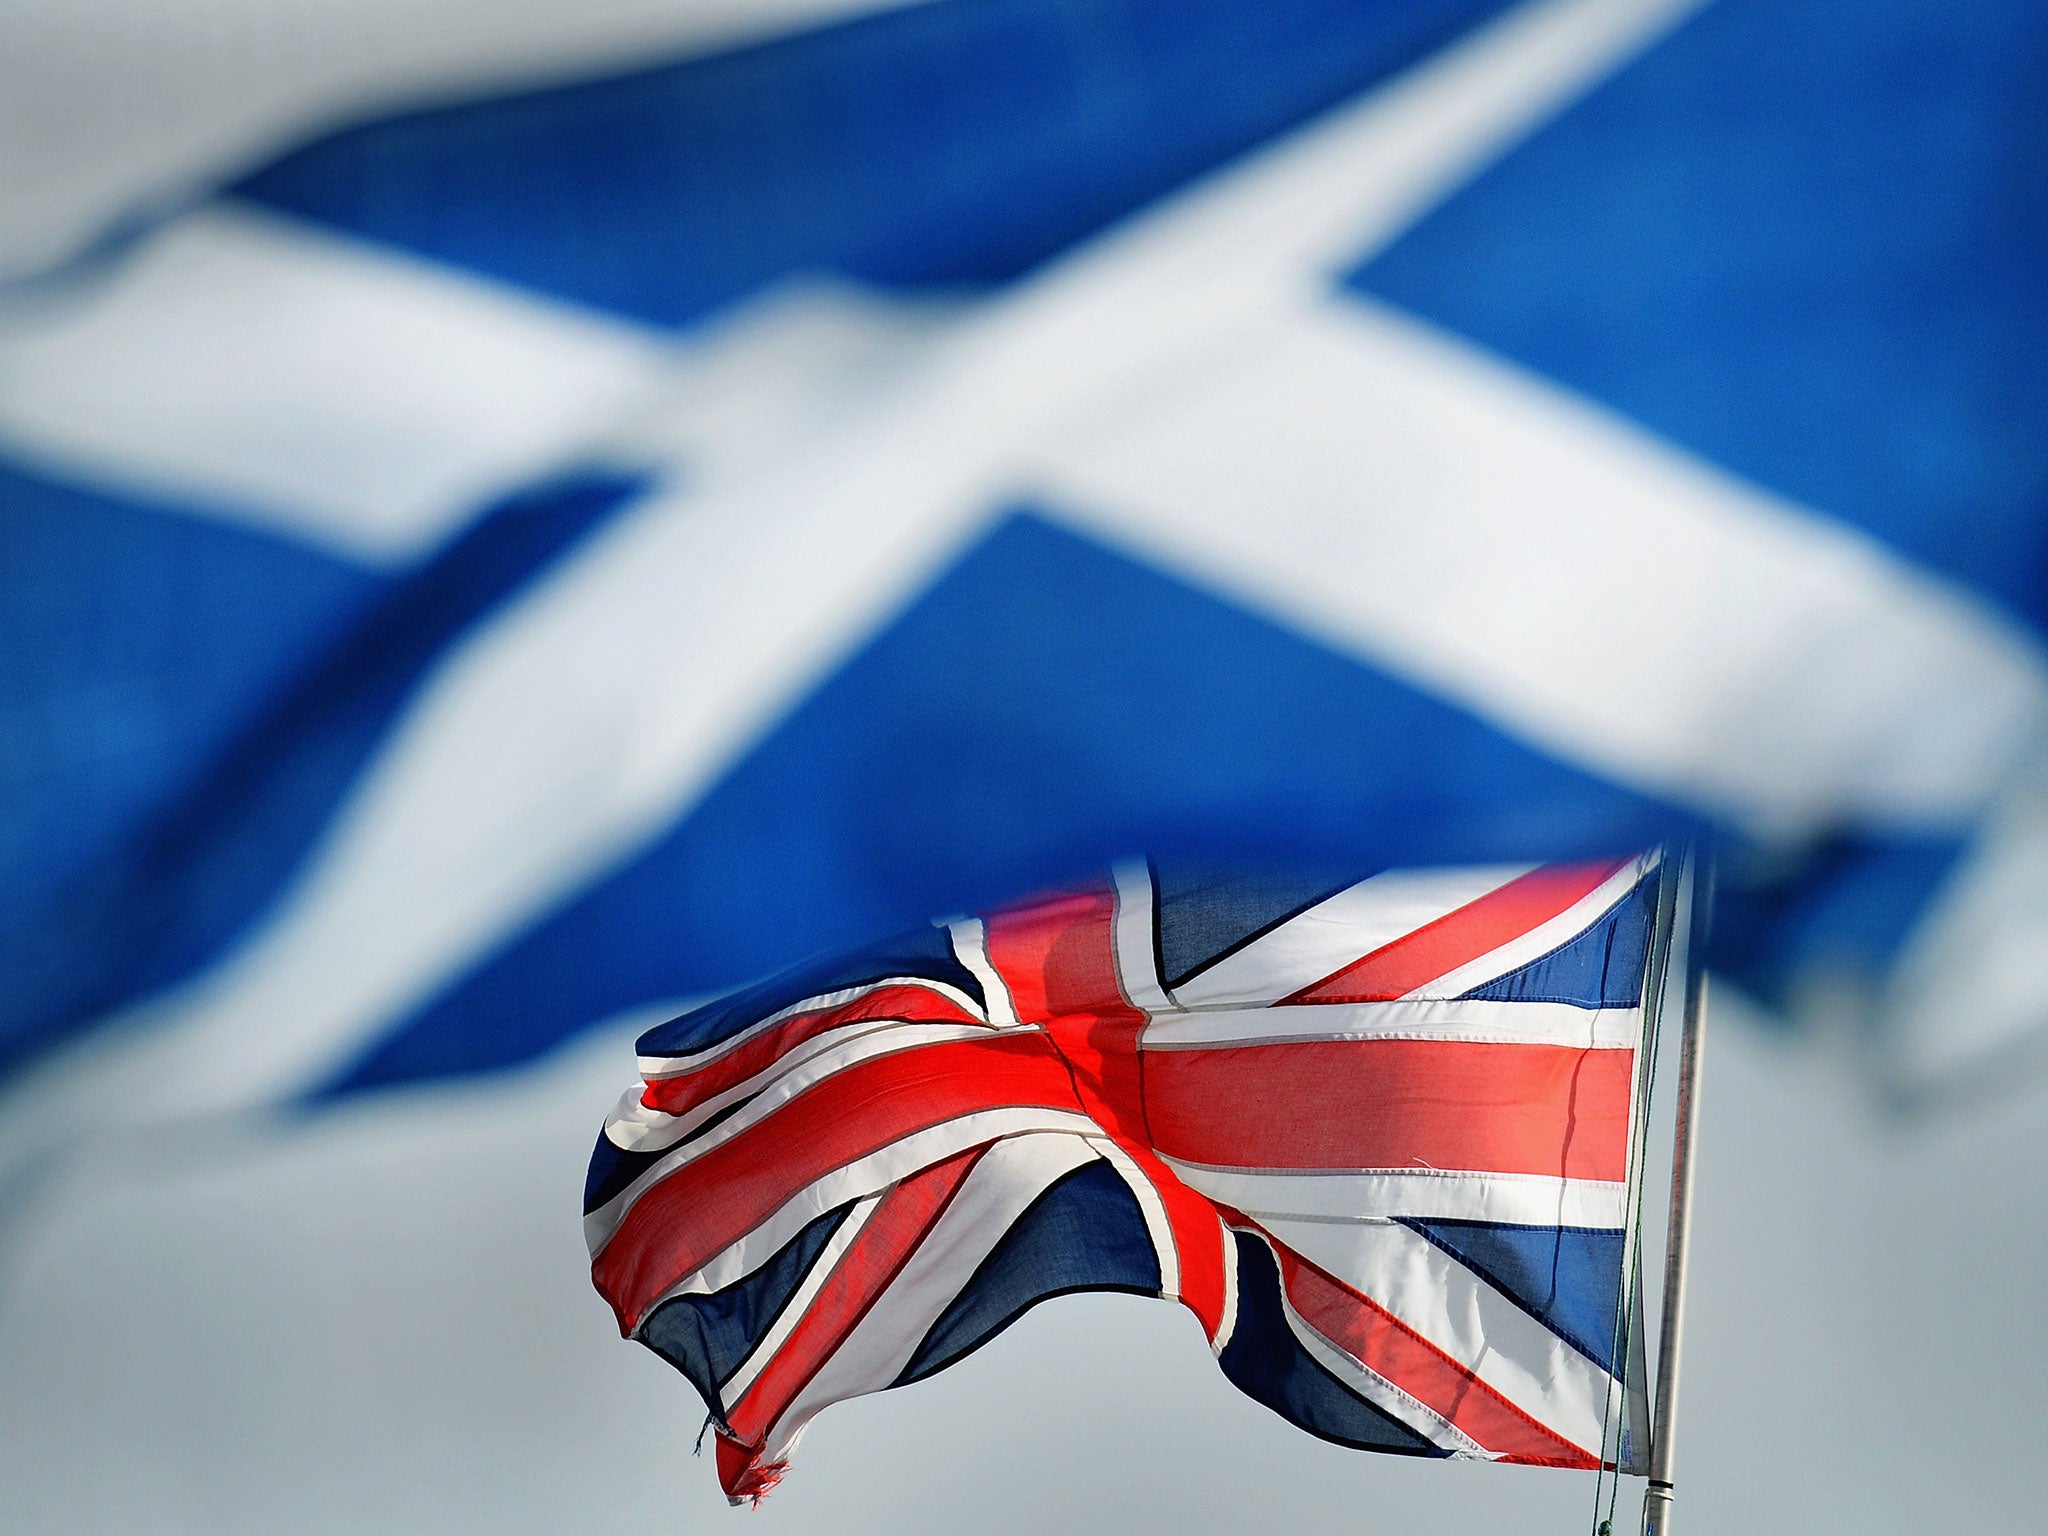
1657 1497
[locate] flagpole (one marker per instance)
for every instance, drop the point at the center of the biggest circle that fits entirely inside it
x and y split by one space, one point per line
1699 888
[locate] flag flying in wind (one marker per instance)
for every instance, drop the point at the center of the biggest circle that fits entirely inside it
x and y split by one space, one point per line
1376 1137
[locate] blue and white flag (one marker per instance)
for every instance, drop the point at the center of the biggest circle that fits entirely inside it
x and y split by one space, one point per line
569 547
515 517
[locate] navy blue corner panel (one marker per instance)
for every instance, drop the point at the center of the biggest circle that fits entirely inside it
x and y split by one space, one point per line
1600 968
1085 1233
1568 1278
954 142
708 1337
1265 1361
1205 914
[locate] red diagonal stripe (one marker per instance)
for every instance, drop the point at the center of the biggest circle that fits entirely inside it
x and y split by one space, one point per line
908 1003
1458 938
871 1262
710 1203
1388 1347
1446 1104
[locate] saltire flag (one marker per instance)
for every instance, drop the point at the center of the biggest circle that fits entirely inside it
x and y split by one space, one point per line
1375 1136
443 559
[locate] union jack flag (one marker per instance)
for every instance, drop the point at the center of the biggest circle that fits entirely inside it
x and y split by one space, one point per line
1375 1136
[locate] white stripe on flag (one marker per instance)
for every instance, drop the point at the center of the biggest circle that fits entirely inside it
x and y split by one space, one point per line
1502 542
1542 939
1136 968
1466 1019
1226 1324
734 1387
1395 1401
1158 1226
1523 1199
999 1189
637 1128
681 1064
1375 1388
1336 931
1444 1302
246 365
872 1173
781 1081
753 1251
970 945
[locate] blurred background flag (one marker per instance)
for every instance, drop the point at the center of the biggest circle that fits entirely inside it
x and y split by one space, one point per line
511 518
